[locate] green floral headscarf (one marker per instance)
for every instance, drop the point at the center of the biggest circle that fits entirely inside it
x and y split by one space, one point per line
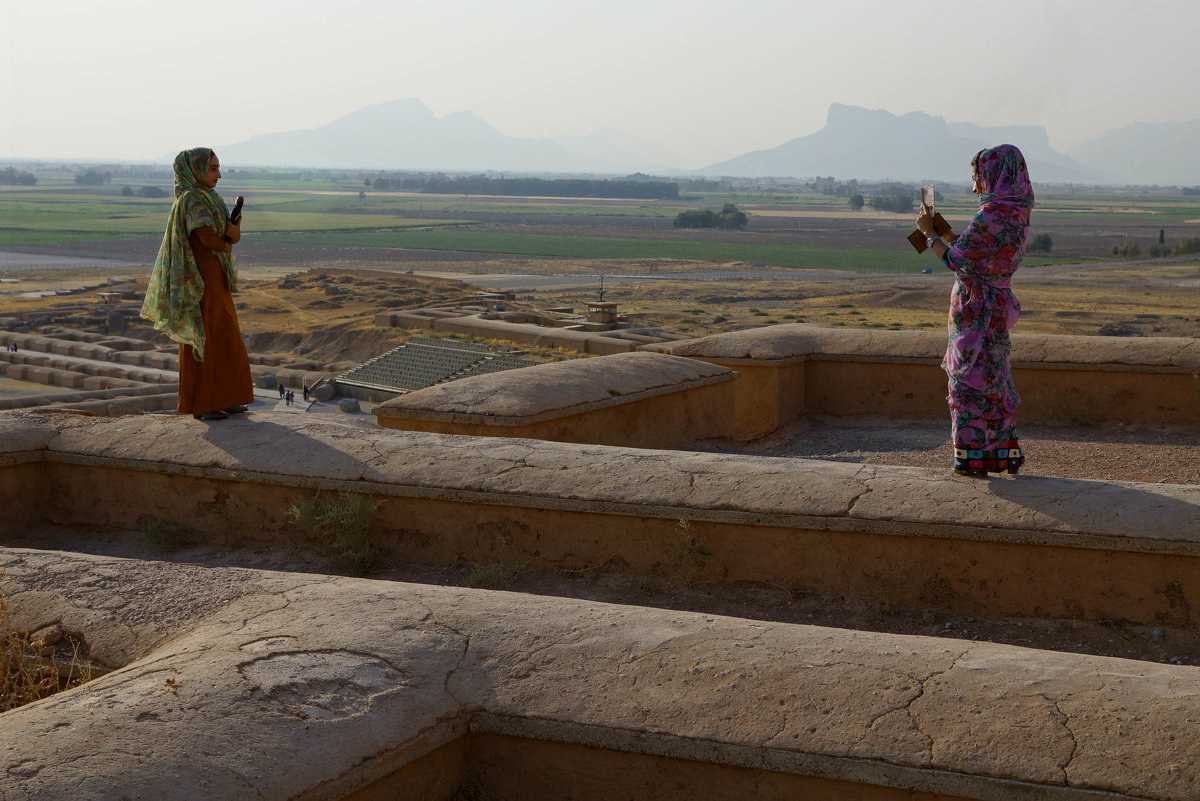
172 301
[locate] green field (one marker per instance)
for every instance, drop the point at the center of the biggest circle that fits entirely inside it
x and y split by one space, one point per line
40 216
614 248
792 230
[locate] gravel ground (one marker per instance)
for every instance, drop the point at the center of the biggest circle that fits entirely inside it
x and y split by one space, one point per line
1157 454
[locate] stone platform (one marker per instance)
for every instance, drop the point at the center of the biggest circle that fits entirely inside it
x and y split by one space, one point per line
292 686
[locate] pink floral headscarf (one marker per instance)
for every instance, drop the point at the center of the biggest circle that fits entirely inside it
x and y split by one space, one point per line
993 243
1004 176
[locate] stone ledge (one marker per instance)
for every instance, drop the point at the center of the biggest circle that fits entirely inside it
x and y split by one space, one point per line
555 389
312 687
793 342
756 490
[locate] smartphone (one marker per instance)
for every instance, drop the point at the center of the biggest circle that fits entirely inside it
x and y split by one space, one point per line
927 195
235 216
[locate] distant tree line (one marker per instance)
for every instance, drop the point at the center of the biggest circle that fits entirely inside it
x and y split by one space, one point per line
93 178
637 188
896 203
10 177
885 196
728 218
145 191
1184 248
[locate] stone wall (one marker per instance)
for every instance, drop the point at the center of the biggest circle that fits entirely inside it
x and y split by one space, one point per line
1039 547
785 371
292 686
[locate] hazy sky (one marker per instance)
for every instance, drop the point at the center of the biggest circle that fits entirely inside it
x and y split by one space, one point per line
709 79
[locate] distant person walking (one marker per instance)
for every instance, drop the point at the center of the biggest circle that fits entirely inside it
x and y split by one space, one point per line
190 293
983 309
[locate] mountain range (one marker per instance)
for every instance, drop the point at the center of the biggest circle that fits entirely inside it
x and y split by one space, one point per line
854 143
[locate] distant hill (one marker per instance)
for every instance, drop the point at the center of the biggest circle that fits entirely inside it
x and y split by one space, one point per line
404 135
855 143
875 144
1165 153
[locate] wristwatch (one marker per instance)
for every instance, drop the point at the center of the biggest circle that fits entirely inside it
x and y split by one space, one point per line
930 240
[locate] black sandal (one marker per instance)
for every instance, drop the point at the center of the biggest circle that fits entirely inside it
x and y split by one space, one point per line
236 410
217 415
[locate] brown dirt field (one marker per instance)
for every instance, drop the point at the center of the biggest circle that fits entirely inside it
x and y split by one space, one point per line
1154 299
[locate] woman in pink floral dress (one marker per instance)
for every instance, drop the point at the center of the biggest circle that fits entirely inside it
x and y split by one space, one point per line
983 400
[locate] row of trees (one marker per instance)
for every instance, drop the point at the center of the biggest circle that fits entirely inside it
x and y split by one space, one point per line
896 203
145 191
637 187
10 177
887 196
1184 248
729 218
93 178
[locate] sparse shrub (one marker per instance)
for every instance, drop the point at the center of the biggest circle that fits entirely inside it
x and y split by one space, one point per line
490 576
164 535
1118 330
729 218
651 585
1042 243
1187 246
720 318
338 530
587 574
1129 248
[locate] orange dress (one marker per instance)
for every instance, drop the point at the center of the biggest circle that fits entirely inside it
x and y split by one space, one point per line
222 380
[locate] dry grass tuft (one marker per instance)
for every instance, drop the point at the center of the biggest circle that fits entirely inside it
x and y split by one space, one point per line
32 666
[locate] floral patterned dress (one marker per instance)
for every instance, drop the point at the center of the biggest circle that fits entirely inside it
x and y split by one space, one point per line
983 309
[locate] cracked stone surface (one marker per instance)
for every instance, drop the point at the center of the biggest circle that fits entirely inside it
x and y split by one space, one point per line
1152 515
298 682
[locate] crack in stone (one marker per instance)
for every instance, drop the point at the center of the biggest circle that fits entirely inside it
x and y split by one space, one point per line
431 616
519 465
867 489
262 613
1066 724
921 693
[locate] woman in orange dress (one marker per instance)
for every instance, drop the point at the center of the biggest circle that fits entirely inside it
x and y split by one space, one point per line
190 293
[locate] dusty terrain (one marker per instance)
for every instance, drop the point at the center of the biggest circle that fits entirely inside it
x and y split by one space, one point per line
1143 299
